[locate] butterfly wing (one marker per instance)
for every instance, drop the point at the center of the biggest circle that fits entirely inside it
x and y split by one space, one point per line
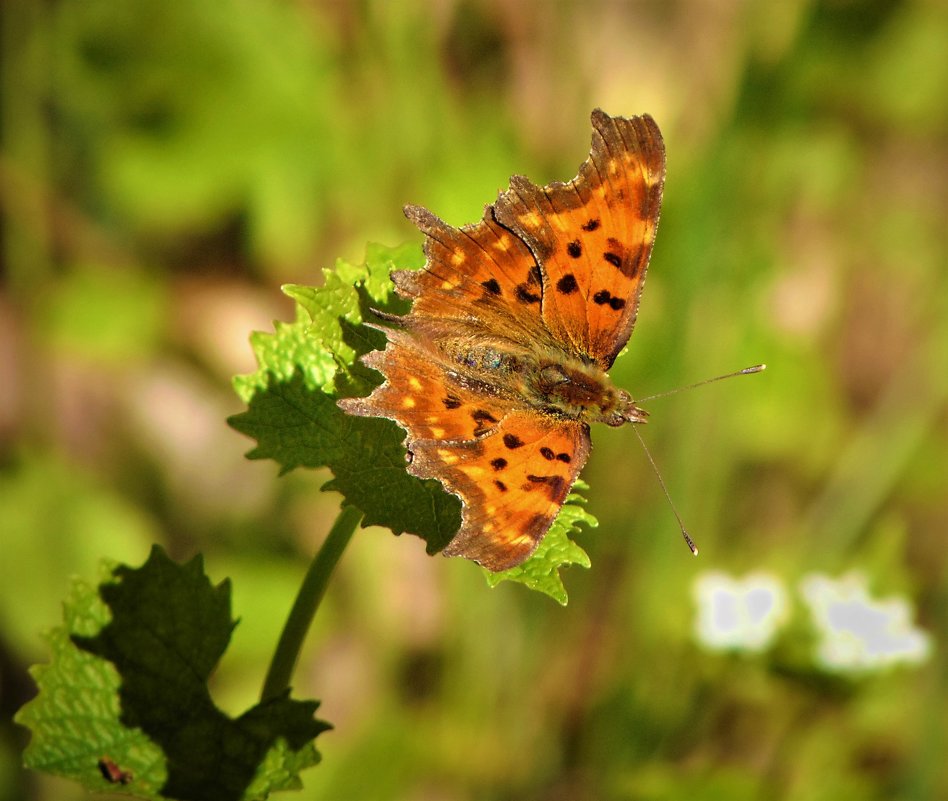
478 271
592 237
513 481
421 397
512 469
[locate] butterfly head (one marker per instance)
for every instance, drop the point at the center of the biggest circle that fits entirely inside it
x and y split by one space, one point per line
626 411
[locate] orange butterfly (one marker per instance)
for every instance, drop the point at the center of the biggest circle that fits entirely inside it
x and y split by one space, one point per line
500 367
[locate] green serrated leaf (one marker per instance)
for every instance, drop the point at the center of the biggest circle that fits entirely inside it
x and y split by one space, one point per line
124 704
541 571
306 366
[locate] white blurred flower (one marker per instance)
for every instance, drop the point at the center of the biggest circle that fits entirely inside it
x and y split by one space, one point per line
859 633
739 614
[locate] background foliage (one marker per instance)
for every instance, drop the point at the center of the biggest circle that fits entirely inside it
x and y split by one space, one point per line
166 166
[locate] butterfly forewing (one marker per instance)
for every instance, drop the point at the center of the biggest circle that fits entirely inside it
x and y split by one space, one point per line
512 482
593 236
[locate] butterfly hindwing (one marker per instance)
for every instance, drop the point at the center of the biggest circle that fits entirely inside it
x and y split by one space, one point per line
480 269
420 396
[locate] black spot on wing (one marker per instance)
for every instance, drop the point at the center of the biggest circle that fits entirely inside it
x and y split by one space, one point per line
618 258
491 286
556 485
524 295
604 297
567 284
512 441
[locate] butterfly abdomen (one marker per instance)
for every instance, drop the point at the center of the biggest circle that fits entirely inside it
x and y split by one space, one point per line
482 358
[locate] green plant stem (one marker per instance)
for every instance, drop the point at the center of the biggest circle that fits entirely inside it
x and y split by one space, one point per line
307 602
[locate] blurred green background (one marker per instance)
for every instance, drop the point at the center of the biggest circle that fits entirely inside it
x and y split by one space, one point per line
165 166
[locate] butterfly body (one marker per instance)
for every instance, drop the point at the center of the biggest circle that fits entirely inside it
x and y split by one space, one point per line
501 365
541 377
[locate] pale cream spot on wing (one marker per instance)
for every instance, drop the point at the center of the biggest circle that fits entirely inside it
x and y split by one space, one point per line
448 285
488 527
414 383
408 402
474 471
446 456
501 244
652 178
438 432
530 220
613 167
457 257
432 418
491 510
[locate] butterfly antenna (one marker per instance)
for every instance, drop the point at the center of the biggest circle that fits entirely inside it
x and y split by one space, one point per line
690 542
757 368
